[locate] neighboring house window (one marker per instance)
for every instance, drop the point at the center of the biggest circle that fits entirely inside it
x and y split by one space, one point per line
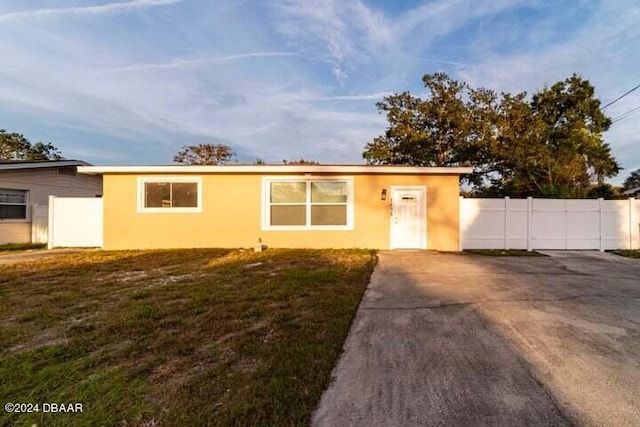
308 204
170 195
13 204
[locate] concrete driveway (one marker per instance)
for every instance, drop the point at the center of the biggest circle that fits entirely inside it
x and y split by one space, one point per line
447 339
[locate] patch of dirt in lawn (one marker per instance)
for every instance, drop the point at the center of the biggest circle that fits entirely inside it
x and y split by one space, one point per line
172 373
151 278
33 255
48 337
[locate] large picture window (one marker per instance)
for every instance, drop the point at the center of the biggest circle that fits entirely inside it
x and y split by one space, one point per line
13 204
308 203
170 195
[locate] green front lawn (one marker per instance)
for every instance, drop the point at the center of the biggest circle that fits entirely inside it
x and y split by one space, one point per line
180 337
634 253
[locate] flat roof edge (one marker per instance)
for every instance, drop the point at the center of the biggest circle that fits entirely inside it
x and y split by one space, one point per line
43 164
275 169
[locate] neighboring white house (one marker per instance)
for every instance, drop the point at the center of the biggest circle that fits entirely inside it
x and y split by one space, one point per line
25 187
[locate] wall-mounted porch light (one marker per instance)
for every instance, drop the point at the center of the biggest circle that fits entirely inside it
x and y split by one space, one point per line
383 194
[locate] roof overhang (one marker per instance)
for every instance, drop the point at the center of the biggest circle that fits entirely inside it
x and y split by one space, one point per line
43 164
275 169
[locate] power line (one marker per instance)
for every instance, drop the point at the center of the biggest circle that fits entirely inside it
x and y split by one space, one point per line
626 114
620 97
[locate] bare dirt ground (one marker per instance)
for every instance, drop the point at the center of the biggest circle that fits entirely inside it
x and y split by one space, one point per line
32 255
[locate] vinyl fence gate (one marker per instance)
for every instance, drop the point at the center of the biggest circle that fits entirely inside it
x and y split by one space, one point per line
549 224
75 222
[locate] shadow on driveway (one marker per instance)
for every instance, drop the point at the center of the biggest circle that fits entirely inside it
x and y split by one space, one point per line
448 339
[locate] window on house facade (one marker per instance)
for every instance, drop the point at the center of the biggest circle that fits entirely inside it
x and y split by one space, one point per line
170 195
13 204
308 203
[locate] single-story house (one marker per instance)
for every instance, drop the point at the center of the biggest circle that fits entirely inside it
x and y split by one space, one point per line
311 206
25 187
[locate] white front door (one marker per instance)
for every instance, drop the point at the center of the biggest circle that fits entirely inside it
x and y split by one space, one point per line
408 222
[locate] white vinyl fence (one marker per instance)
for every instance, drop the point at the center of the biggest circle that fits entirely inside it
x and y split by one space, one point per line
75 222
549 224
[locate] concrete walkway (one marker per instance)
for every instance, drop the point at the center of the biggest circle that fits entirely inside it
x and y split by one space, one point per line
445 339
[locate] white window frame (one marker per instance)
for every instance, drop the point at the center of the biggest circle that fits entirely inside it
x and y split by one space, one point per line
27 210
151 179
266 203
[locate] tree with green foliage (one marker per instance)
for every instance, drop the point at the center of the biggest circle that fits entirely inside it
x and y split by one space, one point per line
15 146
301 161
632 181
204 154
574 151
604 191
550 145
423 132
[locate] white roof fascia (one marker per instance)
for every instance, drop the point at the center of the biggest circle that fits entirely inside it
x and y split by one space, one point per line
270 169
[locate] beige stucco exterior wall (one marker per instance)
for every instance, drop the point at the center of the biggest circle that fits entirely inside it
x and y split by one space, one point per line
231 215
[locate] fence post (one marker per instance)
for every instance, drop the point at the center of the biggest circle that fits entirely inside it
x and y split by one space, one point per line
566 224
52 201
529 222
506 222
460 225
635 223
600 206
631 222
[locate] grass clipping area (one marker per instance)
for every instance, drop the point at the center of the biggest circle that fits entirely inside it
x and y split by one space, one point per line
179 337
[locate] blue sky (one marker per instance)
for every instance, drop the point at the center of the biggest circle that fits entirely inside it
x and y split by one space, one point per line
129 82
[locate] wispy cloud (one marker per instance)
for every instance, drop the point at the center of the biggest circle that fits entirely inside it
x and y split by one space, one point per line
351 32
360 97
337 28
287 78
601 50
117 7
179 63
460 65
441 17
602 58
